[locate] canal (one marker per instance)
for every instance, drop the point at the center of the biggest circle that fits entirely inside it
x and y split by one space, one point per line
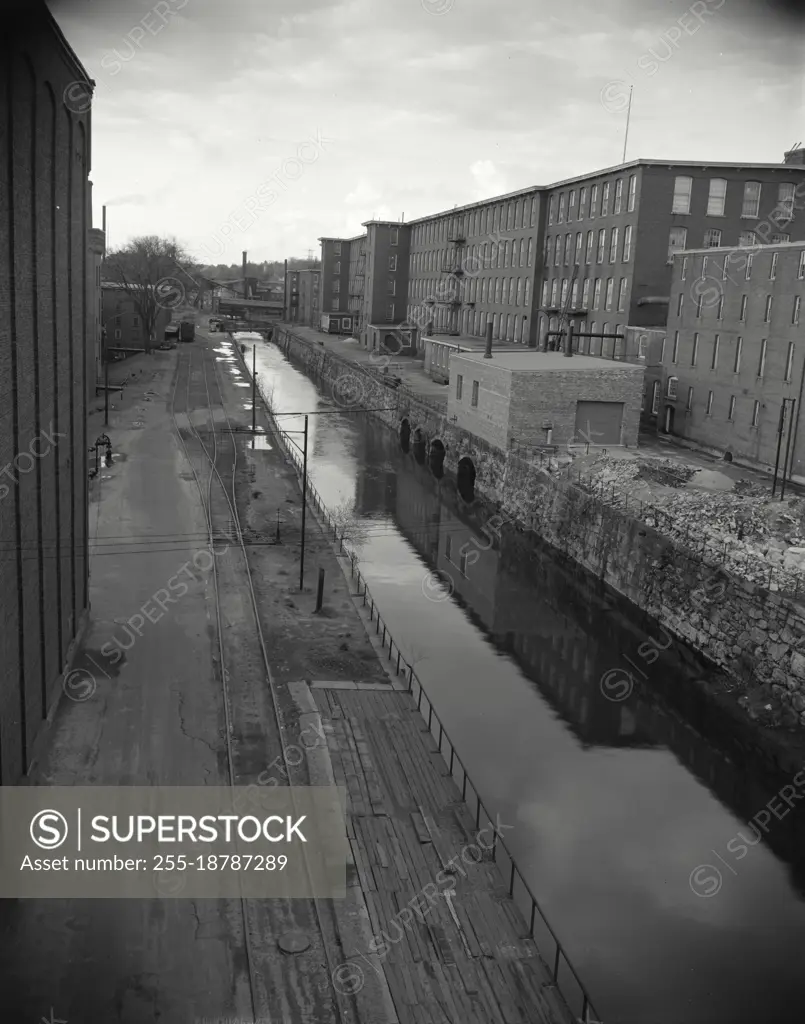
630 812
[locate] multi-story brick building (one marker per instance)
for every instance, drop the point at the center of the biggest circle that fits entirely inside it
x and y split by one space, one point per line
47 370
596 248
121 319
302 292
733 355
610 237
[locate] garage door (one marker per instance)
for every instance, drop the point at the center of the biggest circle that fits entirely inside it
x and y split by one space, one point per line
599 422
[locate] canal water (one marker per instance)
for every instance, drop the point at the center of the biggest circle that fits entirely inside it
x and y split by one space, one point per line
628 812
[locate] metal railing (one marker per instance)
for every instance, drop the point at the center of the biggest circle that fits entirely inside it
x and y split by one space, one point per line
539 929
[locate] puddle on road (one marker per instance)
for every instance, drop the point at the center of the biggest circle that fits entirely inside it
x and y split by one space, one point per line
242 384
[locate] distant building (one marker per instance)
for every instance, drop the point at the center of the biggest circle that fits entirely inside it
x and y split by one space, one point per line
123 322
47 370
302 297
734 353
545 398
97 249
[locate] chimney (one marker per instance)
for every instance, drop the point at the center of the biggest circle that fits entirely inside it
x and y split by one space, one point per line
245 283
488 353
795 156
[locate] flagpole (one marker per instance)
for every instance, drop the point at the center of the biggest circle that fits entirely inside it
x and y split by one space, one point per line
628 115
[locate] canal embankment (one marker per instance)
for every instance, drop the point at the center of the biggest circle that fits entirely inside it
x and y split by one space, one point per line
754 634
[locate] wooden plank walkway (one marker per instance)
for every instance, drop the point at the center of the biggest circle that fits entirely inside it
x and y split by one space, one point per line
454 955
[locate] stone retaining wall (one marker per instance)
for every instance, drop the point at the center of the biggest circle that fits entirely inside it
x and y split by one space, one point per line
757 637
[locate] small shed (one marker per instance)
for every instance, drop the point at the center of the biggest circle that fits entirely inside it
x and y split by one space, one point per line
539 398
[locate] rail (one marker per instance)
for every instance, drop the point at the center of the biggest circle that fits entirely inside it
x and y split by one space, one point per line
539 929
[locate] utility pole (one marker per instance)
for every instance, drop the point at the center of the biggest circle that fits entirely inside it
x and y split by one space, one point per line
786 466
304 510
780 424
254 388
245 285
104 348
285 293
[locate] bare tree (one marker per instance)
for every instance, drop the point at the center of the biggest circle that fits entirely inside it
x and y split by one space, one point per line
157 274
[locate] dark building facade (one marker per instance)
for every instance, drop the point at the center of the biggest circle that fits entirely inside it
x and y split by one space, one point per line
733 356
121 320
47 371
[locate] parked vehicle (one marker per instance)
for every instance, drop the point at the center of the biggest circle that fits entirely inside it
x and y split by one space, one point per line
187 330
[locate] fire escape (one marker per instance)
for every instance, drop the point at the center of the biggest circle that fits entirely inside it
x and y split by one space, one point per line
453 293
356 291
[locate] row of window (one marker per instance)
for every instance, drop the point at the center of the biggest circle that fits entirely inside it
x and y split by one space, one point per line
768 309
585 345
505 326
335 307
717 198
562 252
460 391
715 353
678 240
512 291
509 216
748 263
514 253
552 296
565 203
672 395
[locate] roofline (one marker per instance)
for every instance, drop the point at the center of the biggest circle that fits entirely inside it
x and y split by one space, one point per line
69 51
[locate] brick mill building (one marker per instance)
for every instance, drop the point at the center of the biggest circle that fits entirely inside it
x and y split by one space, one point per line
598 248
47 371
733 356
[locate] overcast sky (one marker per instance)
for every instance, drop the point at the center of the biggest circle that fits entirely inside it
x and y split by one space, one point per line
264 124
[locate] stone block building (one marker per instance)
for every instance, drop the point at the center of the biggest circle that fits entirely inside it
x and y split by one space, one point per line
545 398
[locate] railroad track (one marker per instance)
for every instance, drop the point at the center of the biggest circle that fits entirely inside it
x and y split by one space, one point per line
253 718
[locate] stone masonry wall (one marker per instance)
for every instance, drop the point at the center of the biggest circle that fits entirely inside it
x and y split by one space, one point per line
756 636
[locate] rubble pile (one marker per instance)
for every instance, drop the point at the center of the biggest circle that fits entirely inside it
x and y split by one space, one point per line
743 529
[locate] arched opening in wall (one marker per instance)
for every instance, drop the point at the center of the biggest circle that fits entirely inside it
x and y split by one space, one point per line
418 444
437 459
466 479
391 344
405 436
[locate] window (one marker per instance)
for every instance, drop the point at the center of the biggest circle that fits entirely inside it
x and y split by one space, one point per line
391 287
680 302
777 239
789 361
392 262
568 243
739 344
716 200
627 243
135 322
605 199
336 287
699 307
751 204
749 260
712 238
670 391
655 398
588 254
459 389
704 267
337 268
773 267
622 296
563 298
785 203
390 312
577 254
795 313
551 208
528 261
519 298
720 310
574 295
746 238
554 291
582 201
336 248
676 242
610 290
632 193
714 360
545 293
475 394
731 410
585 292
602 243
593 200
689 402
335 305
613 245
761 362
560 219
557 251
694 352
675 351
448 547
684 271
597 294
571 203
534 212
682 191
801 267
118 334
708 410
767 312
618 196
742 314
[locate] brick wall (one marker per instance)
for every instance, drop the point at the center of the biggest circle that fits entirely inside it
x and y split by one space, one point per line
490 420
44 220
